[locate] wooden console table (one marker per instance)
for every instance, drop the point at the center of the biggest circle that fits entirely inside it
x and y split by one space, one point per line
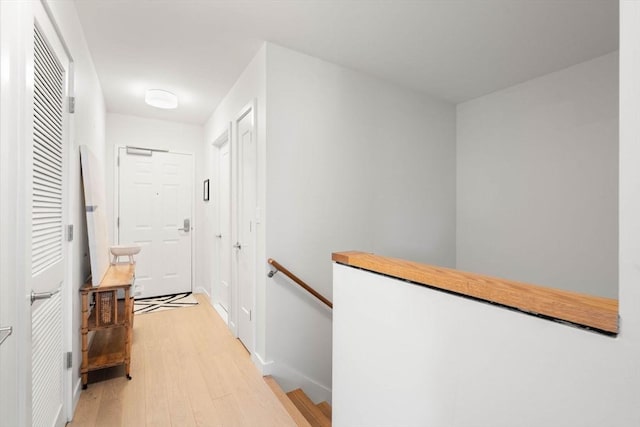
111 320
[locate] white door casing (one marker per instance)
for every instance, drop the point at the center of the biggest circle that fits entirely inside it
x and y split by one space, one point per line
154 201
246 224
47 213
222 292
9 394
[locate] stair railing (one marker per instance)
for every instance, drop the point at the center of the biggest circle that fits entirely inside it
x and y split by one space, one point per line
278 267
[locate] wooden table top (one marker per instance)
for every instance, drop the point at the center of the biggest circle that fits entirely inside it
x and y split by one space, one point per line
117 276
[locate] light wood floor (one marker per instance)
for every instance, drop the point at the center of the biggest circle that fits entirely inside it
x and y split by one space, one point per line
187 370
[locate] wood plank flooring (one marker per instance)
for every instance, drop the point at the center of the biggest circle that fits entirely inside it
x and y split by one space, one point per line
188 370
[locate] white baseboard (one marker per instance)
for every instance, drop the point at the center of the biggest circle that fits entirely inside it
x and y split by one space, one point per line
290 379
217 307
201 290
233 328
76 397
222 312
263 367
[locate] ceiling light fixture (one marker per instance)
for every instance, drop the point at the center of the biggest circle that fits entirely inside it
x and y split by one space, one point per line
161 99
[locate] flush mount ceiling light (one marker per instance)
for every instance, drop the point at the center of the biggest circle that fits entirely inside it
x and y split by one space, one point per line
161 99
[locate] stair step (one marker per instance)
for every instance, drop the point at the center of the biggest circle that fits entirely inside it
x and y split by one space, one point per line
325 408
292 409
311 412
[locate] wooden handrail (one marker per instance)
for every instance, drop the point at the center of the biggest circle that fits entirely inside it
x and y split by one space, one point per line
299 281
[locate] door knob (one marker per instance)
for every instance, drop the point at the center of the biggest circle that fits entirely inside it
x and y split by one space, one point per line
237 246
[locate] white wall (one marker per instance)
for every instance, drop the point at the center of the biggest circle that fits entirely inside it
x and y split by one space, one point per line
537 180
629 207
472 364
249 87
88 129
444 360
352 163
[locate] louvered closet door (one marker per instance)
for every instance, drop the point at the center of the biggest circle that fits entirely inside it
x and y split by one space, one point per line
47 219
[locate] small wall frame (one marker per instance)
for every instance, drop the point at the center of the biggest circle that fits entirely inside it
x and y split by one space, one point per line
205 190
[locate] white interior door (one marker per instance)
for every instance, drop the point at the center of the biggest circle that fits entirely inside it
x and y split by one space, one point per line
47 211
154 211
246 245
224 227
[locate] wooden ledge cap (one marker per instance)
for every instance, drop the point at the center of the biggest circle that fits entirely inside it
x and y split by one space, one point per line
581 309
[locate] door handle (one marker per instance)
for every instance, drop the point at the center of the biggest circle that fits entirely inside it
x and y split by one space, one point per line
219 236
237 246
5 332
186 226
35 296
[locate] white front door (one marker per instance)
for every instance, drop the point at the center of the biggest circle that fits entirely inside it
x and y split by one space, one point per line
224 227
246 245
47 213
154 211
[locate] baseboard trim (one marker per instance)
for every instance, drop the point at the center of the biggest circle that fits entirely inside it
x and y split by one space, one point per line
76 398
221 312
263 367
290 379
201 290
233 328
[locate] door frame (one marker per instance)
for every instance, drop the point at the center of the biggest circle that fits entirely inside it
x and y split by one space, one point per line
223 138
248 109
13 19
116 199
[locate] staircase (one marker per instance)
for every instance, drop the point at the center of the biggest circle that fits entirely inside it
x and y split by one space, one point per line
303 411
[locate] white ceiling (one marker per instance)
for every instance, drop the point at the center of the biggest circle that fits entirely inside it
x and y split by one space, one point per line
453 49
